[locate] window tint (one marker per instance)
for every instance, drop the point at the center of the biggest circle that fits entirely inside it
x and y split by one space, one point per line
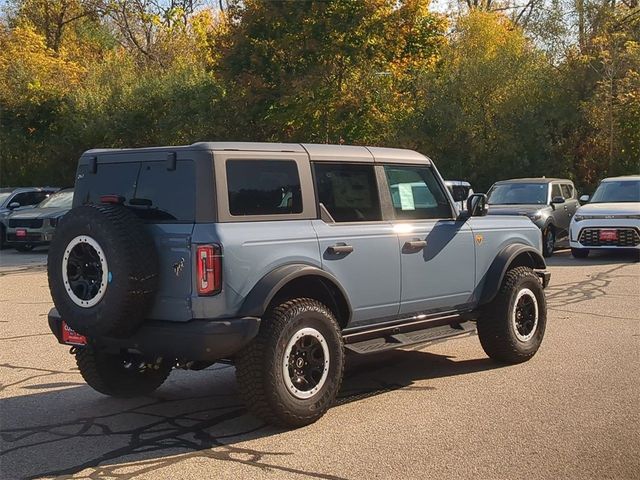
349 192
416 194
555 190
263 187
151 191
567 191
29 198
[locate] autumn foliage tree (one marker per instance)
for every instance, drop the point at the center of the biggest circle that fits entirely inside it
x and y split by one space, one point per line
489 89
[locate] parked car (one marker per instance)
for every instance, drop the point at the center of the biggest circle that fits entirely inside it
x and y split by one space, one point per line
460 189
279 257
610 219
15 198
548 202
32 227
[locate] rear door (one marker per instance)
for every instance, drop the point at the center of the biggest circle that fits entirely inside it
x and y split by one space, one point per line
356 245
165 200
570 198
437 252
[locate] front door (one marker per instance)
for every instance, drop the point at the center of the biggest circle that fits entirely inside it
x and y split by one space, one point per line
356 246
437 252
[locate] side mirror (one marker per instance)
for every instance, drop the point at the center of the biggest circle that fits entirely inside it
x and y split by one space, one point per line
557 200
477 205
13 205
584 198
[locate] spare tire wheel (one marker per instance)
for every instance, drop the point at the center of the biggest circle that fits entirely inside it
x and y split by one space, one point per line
103 270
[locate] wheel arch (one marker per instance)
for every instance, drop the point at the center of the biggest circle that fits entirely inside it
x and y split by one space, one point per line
514 255
298 280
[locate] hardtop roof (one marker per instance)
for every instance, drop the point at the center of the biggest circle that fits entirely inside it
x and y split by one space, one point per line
320 152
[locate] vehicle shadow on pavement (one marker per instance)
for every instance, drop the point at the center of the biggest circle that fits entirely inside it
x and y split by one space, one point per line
66 431
563 258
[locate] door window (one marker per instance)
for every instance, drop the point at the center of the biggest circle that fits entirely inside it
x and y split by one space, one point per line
348 192
555 191
263 187
416 194
567 191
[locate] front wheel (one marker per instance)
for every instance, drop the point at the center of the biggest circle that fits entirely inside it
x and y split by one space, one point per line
548 241
290 374
513 324
580 252
120 375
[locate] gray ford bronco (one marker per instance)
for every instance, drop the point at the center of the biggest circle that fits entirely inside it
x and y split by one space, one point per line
280 258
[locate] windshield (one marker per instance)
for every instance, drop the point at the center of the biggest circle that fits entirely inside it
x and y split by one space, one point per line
617 191
518 194
58 200
4 196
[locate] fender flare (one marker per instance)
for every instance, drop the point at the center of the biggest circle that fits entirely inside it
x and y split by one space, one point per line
502 262
263 292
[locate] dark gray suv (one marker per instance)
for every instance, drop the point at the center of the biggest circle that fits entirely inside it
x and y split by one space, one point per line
550 203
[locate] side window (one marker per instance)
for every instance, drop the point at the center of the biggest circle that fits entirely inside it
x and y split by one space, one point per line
416 194
263 187
567 191
23 199
349 192
555 190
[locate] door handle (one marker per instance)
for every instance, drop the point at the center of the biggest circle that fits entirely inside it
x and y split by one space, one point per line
338 249
415 244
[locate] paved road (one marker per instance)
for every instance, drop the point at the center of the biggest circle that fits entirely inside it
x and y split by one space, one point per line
442 412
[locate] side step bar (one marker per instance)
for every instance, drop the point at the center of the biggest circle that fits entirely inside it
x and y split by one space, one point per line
390 340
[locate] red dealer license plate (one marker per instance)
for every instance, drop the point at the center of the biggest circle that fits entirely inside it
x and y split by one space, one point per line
608 235
21 233
70 336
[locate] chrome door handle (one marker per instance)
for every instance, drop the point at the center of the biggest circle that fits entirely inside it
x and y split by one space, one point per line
338 249
415 244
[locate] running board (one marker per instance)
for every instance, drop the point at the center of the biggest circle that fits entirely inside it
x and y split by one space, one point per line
392 341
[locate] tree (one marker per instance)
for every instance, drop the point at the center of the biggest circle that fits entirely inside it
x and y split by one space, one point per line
325 71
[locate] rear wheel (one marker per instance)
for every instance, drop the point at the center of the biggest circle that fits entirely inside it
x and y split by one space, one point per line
120 375
580 252
513 324
290 373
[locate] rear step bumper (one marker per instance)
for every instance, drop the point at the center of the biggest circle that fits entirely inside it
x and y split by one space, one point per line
196 340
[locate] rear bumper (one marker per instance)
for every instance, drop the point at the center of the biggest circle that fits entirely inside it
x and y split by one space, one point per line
196 340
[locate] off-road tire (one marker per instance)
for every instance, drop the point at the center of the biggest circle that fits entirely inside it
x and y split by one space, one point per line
107 374
132 265
580 252
548 240
259 369
496 328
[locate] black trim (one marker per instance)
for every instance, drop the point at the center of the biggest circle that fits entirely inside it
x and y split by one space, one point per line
500 265
266 289
404 325
195 340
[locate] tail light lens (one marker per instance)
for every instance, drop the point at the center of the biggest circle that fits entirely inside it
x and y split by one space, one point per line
209 260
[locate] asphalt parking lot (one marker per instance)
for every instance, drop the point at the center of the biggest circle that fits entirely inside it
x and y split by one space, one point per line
445 411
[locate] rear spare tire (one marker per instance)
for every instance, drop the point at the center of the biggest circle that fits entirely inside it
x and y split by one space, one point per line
103 270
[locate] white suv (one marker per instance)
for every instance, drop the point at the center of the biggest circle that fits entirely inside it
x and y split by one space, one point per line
611 219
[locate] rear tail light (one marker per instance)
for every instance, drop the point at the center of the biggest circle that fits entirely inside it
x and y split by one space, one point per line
209 263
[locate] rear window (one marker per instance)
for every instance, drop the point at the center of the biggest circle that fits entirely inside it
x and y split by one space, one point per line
263 187
153 192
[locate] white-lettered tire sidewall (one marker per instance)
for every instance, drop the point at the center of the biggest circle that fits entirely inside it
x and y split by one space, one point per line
530 346
323 399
